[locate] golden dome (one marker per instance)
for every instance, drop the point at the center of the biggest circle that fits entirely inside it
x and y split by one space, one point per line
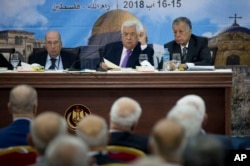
112 21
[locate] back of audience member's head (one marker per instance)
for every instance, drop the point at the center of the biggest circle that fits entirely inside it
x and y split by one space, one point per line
188 117
93 130
148 161
125 113
195 101
67 150
23 101
45 127
168 141
203 151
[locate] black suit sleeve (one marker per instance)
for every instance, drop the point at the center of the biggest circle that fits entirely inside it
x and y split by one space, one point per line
5 63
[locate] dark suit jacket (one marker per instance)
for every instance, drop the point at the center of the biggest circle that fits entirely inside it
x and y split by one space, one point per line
15 134
130 140
101 159
198 52
68 58
5 63
150 52
113 52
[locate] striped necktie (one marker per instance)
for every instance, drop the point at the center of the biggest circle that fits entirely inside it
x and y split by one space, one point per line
184 55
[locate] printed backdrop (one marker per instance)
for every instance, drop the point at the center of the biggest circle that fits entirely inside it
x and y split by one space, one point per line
75 18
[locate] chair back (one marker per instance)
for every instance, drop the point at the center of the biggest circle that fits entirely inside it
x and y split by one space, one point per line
124 153
18 155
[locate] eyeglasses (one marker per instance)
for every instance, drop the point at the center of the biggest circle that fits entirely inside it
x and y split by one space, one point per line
129 34
55 43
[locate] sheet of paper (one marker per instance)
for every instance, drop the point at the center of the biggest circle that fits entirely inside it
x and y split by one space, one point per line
111 65
201 68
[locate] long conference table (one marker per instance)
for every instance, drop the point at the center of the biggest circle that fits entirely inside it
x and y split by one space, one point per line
156 92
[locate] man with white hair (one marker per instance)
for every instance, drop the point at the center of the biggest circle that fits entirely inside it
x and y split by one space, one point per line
125 53
198 103
124 116
188 117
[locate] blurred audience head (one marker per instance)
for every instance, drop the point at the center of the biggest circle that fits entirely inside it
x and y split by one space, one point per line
23 101
93 130
44 128
188 117
168 140
67 150
203 151
130 32
197 102
148 161
125 113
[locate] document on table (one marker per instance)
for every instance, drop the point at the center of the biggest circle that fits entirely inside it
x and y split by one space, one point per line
111 65
201 68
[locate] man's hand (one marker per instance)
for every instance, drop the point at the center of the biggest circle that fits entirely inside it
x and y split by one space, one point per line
182 67
104 66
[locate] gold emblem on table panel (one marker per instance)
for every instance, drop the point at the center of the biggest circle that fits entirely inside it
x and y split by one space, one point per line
74 114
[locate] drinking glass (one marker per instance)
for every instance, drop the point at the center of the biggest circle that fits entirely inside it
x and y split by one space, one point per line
176 58
14 60
143 57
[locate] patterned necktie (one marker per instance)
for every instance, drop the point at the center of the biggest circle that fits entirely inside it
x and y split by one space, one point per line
184 55
53 63
125 60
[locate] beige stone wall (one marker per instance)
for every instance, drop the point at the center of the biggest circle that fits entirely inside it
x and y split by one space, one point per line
231 43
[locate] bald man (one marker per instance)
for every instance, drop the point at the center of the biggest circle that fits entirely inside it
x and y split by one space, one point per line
23 107
43 129
124 116
168 141
53 54
93 130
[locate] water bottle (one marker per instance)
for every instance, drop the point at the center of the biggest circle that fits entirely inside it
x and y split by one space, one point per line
165 60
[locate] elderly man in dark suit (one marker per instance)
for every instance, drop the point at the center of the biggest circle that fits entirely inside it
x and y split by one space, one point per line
125 53
23 107
193 49
54 58
124 116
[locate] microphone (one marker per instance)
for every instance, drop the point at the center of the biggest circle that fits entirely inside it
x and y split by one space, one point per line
87 61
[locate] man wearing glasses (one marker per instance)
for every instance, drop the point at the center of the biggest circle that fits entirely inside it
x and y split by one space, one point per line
125 53
53 58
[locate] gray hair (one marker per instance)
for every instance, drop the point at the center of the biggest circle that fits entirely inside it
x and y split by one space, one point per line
100 139
130 23
125 111
188 117
43 138
53 31
22 99
67 150
184 20
194 100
